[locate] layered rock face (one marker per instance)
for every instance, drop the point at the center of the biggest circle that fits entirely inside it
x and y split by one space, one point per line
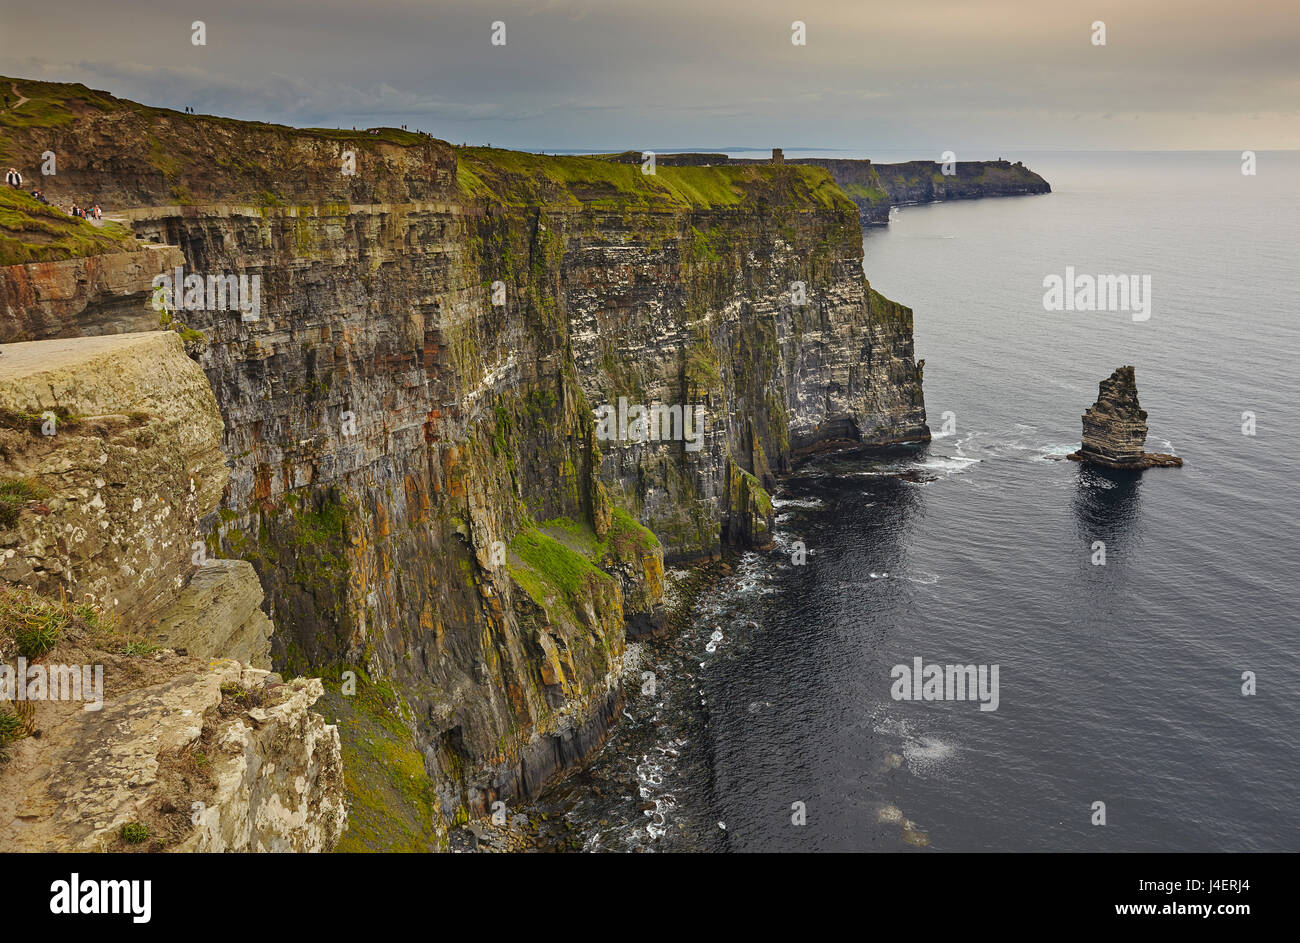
218 615
100 293
416 473
1115 427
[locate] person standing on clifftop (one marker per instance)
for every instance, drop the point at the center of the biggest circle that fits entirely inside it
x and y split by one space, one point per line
14 178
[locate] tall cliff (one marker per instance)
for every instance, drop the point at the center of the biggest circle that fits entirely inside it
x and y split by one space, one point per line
417 473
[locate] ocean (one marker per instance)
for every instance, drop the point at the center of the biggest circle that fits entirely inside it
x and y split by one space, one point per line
772 726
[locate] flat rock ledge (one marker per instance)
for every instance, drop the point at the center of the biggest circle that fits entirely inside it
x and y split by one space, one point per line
1148 460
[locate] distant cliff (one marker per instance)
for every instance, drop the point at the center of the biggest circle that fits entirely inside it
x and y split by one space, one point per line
416 471
877 188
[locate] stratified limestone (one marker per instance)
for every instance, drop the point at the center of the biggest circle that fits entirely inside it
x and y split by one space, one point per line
1115 428
213 757
218 615
98 294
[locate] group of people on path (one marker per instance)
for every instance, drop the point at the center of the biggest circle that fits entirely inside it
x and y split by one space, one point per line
15 179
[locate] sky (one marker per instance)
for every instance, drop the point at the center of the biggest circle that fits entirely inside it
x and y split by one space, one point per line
977 77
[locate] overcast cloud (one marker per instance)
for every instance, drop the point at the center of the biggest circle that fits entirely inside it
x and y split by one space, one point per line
921 75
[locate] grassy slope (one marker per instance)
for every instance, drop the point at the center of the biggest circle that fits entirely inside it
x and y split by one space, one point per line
31 231
61 104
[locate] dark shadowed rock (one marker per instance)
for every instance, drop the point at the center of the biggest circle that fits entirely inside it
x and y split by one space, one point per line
1115 428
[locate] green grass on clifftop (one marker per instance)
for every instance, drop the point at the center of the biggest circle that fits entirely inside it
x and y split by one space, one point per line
31 231
518 178
240 163
59 104
860 191
48 104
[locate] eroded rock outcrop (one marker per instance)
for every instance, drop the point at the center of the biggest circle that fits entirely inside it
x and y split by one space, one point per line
109 461
195 756
1115 428
923 181
119 438
218 615
277 770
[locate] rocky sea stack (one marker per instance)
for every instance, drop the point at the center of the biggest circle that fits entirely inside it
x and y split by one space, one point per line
1115 428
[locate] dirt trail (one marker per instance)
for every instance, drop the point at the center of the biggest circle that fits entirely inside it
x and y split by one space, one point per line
22 99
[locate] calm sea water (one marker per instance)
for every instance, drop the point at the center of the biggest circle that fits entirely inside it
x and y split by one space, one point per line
1119 683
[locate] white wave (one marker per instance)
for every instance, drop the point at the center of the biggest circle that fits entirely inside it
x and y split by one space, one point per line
797 502
924 579
927 580
947 465
955 464
924 753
